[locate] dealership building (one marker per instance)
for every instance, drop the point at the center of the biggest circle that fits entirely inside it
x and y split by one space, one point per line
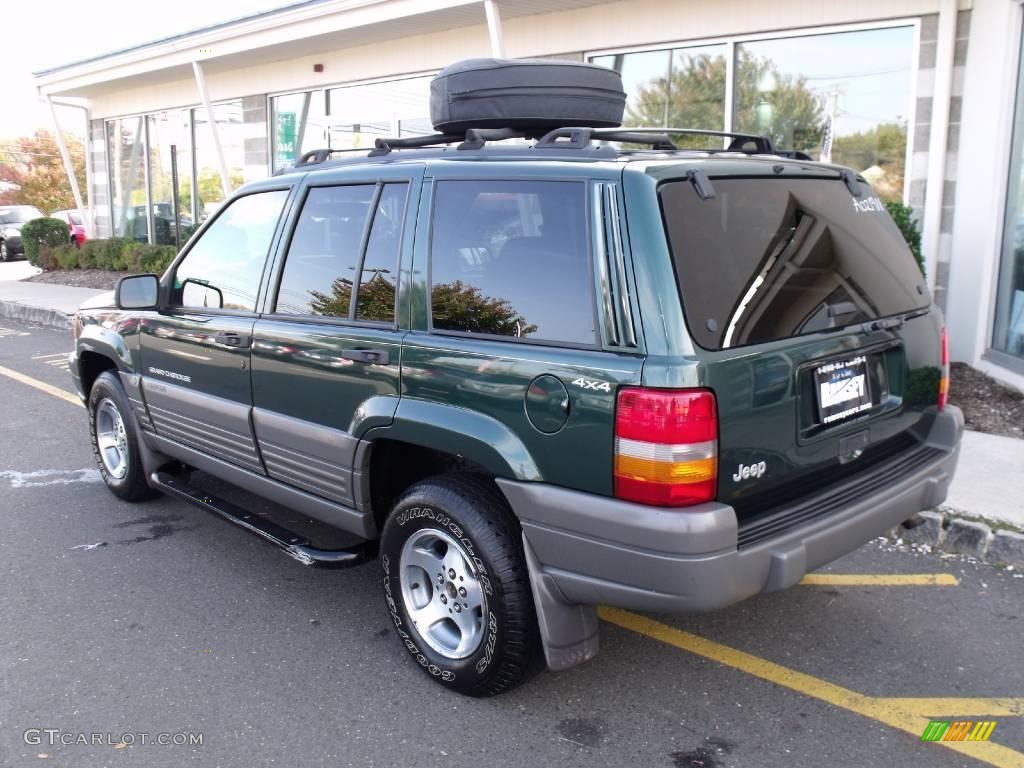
925 98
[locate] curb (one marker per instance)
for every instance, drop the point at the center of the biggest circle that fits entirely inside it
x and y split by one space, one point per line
13 310
945 530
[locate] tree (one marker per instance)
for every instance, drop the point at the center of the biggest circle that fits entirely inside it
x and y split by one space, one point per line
33 173
768 102
882 148
460 307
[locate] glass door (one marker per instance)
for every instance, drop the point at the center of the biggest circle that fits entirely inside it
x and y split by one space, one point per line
1009 325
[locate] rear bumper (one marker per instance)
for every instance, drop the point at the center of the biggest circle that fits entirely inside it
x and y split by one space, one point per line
590 549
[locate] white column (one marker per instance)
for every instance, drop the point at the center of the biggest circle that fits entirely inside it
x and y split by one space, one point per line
204 97
945 47
69 169
494 29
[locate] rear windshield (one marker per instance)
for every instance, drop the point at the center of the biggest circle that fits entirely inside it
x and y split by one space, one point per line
772 258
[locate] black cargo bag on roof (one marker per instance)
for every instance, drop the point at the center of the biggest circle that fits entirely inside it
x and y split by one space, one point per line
525 94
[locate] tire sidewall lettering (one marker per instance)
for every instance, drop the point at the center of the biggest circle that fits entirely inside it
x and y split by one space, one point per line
429 517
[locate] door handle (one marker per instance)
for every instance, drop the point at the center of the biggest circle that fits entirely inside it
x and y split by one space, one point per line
371 356
236 340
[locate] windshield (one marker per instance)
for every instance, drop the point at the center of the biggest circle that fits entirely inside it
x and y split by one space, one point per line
19 215
771 258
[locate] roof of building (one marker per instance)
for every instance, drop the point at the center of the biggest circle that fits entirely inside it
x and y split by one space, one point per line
181 36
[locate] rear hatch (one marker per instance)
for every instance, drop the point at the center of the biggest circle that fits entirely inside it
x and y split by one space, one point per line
812 324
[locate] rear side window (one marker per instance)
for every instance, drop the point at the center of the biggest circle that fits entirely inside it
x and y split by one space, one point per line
511 258
223 269
326 254
771 258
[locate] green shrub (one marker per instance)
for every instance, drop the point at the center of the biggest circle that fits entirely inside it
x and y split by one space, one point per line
39 232
187 232
66 256
108 253
46 258
88 252
128 257
156 258
903 215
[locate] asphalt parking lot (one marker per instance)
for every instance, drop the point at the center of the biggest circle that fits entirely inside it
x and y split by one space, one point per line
181 623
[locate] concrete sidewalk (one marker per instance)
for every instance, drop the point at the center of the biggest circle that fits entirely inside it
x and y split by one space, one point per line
38 302
989 479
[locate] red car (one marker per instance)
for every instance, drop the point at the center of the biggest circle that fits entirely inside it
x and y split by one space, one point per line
76 229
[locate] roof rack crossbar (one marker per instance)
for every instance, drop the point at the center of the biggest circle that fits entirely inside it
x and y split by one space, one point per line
383 146
656 138
476 138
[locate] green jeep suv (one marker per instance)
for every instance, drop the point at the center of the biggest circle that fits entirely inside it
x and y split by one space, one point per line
532 378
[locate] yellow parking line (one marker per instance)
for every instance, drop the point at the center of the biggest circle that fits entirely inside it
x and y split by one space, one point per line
880 580
42 386
940 707
891 712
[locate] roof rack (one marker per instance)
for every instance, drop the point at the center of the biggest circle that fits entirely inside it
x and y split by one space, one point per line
573 139
656 138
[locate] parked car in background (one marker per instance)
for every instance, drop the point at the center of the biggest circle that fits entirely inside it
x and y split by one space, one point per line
12 217
76 227
163 223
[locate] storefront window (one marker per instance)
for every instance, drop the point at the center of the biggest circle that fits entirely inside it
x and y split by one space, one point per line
126 140
360 114
682 88
167 130
232 140
299 125
843 97
1009 326
850 87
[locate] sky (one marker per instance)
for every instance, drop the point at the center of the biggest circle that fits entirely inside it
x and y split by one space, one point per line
71 31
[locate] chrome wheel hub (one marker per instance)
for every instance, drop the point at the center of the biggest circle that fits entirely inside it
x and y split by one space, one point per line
111 439
442 593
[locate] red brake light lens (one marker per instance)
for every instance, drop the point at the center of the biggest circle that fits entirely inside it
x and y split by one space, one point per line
666 415
944 380
666 446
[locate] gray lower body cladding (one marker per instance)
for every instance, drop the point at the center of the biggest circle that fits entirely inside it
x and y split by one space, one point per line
589 550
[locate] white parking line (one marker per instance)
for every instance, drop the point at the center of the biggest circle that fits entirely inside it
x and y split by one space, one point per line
11 332
42 477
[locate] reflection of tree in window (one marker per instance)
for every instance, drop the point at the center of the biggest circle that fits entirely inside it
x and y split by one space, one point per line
336 303
767 101
460 307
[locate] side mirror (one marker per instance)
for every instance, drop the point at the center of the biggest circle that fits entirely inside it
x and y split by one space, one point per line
137 292
197 294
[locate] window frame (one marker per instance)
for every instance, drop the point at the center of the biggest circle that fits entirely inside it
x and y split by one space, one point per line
167 284
274 288
584 184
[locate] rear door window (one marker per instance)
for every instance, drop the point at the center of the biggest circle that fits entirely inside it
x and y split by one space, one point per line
772 258
511 259
332 250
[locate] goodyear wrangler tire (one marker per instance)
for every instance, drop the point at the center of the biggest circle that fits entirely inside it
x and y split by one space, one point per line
115 442
456 586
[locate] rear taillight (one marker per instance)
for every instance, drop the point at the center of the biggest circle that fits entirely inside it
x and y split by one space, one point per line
666 446
944 380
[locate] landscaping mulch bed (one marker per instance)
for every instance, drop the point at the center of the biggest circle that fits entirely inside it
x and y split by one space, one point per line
100 279
988 406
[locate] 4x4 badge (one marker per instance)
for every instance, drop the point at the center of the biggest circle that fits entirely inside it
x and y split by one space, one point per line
600 386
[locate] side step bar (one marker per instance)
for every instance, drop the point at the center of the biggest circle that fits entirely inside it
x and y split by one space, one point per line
293 545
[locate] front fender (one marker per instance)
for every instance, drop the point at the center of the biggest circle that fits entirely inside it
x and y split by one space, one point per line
461 432
96 338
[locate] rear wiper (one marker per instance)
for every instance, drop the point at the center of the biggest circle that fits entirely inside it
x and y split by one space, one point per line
891 323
